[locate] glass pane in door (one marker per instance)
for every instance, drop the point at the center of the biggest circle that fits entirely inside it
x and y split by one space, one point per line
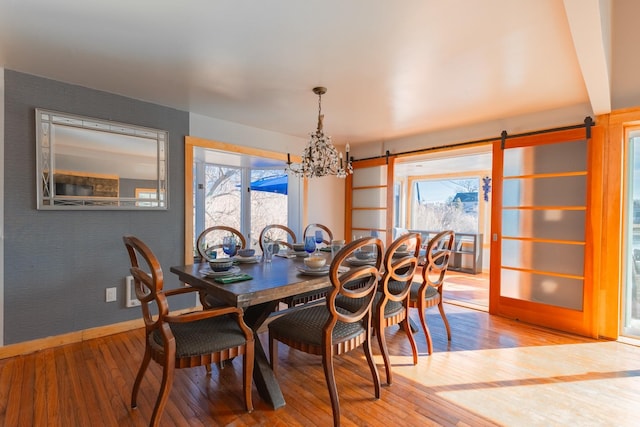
631 288
369 202
543 224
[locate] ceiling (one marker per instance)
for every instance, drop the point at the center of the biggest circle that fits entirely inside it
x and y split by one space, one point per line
392 69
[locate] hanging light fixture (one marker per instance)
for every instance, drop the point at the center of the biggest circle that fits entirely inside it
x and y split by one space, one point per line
320 157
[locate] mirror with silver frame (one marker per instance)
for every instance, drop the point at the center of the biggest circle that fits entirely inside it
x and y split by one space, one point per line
87 163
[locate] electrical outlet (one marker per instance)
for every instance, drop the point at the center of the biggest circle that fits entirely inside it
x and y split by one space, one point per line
130 296
111 295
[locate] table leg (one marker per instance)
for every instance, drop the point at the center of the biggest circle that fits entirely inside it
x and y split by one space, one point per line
412 324
263 376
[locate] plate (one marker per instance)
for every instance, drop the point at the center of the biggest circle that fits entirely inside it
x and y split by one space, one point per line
400 254
207 272
247 259
314 271
356 261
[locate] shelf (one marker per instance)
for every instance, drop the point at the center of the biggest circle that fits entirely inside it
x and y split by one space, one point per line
467 253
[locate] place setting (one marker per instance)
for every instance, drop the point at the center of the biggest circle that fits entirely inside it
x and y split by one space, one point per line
299 250
246 256
362 258
401 252
314 265
223 271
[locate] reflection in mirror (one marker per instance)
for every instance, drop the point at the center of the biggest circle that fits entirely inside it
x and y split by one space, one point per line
86 163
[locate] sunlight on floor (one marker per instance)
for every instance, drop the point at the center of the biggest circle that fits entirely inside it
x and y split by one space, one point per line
553 374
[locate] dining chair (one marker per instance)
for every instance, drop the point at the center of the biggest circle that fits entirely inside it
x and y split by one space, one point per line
186 340
328 330
307 297
310 229
211 239
391 304
428 292
275 232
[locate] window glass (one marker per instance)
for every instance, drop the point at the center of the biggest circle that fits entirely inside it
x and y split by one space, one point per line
446 204
631 291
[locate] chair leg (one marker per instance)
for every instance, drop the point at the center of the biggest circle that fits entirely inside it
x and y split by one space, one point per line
425 328
444 319
136 385
165 386
382 342
366 346
273 354
407 329
247 371
327 364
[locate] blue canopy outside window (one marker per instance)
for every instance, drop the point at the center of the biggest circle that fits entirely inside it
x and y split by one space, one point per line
273 184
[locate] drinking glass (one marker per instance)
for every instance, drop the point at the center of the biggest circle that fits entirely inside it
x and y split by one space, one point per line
229 245
268 251
318 239
310 244
336 245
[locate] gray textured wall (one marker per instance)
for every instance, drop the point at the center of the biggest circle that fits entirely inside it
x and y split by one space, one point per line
59 263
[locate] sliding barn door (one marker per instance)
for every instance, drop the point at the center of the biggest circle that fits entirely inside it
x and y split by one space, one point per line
540 240
369 201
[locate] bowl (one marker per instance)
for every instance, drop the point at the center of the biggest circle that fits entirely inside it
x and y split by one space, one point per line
246 252
298 247
220 264
315 261
364 254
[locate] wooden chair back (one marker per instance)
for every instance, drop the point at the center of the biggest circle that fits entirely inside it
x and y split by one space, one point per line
437 256
311 229
274 232
358 284
148 282
211 239
399 270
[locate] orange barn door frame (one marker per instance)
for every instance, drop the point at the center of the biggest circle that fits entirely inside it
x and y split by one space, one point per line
388 161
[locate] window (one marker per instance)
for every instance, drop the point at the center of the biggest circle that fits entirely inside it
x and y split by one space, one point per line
242 191
631 292
446 204
150 194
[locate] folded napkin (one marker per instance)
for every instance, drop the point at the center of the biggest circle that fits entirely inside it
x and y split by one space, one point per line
325 249
233 279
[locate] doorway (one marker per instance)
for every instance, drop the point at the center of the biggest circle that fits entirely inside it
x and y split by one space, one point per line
451 189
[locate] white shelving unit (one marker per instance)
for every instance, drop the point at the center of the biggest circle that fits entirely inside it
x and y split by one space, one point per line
467 251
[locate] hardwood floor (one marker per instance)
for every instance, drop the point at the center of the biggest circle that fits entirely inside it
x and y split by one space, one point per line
494 372
469 290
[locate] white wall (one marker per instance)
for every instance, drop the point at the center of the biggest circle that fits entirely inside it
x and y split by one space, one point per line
234 133
514 125
326 204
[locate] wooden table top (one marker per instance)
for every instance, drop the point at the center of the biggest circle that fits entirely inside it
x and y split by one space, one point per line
271 281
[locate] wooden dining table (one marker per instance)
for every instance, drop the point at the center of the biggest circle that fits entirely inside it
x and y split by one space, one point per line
259 298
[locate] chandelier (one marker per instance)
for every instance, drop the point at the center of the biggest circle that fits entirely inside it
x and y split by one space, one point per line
320 157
